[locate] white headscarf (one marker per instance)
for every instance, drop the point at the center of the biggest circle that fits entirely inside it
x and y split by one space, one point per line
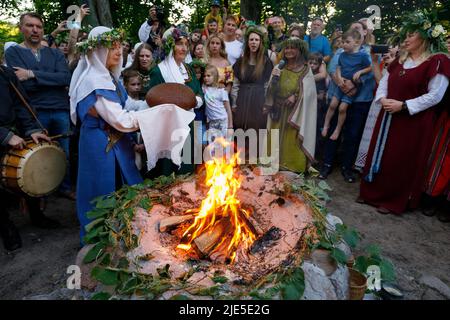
91 74
171 71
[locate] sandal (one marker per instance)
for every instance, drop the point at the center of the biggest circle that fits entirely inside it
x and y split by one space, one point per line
429 212
360 200
383 210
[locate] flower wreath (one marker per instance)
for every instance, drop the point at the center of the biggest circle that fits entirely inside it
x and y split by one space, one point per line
425 22
259 31
105 40
171 36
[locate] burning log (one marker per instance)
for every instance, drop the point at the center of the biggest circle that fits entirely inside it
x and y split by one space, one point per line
207 241
247 223
174 221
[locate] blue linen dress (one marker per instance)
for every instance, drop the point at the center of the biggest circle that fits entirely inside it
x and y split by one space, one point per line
97 168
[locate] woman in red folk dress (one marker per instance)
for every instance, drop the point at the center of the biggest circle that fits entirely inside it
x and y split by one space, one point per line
410 93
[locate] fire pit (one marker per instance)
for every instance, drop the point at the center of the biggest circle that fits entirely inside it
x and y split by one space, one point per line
227 224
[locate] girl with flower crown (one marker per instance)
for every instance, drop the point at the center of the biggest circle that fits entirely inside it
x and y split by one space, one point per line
97 101
411 94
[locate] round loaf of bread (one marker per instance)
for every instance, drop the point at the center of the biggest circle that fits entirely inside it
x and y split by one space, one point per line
171 93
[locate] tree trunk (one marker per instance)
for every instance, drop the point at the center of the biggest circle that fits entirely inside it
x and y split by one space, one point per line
251 10
104 13
91 19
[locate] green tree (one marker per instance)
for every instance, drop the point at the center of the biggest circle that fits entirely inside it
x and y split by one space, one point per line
391 13
9 32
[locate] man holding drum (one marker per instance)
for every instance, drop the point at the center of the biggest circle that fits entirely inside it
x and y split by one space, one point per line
16 123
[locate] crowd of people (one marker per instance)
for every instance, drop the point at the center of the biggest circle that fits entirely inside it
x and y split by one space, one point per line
383 109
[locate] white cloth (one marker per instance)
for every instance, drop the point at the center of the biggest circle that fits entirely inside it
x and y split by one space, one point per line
164 129
91 74
234 51
171 71
135 105
436 91
214 101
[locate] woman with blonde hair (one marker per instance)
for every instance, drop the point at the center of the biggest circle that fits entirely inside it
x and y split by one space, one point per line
410 94
217 56
97 102
292 102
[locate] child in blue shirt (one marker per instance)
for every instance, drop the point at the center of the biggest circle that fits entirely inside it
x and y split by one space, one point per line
353 63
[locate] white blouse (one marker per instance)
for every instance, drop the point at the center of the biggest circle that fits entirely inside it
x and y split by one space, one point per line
112 112
436 91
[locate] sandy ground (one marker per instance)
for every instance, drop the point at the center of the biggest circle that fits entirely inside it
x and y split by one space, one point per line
417 245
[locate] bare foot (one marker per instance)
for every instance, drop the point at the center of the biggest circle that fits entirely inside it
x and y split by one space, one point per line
324 132
335 135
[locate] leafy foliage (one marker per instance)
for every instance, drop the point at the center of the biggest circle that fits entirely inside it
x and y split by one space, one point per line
8 32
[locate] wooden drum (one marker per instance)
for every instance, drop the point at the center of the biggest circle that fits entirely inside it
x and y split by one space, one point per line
37 170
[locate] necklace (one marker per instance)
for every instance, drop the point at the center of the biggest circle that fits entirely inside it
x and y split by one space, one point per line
190 76
36 52
145 78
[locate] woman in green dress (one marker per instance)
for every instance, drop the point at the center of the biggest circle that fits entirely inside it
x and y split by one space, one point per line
174 70
292 102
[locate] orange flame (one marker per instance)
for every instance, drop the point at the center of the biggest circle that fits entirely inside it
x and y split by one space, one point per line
221 203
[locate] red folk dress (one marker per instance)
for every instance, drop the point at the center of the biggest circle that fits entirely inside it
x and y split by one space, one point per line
438 180
401 180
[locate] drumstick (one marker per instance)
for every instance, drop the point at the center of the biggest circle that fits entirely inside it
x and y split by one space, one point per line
59 136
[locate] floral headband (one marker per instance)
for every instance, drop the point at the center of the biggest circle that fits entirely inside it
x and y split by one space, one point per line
105 40
171 36
427 24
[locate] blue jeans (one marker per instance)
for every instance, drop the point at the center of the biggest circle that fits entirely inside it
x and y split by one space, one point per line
352 133
58 122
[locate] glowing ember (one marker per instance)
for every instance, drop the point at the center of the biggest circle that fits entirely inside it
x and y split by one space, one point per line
221 203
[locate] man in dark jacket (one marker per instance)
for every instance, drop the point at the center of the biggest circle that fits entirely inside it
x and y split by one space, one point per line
16 123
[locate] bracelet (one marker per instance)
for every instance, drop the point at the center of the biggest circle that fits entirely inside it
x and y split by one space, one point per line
404 106
29 76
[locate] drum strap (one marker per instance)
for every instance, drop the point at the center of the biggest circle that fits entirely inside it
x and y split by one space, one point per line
25 103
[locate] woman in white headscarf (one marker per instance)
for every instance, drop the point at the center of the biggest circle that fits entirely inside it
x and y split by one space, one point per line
174 70
97 100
